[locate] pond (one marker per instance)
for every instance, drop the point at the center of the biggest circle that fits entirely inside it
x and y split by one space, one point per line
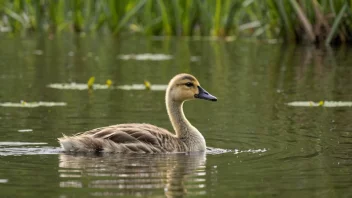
266 147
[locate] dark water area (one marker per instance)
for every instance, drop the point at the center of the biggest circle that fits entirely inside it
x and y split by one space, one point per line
272 149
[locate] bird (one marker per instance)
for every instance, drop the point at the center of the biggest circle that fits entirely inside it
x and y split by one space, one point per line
147 138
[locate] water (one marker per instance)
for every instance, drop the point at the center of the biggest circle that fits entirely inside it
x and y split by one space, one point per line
261 147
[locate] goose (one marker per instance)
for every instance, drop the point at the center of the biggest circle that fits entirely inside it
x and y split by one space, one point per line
147 138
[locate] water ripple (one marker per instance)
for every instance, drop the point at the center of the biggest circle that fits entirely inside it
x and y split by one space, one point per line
163 174
21 148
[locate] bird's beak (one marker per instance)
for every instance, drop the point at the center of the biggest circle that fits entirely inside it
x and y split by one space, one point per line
203 94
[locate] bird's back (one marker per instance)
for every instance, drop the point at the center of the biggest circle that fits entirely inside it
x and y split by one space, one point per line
124 138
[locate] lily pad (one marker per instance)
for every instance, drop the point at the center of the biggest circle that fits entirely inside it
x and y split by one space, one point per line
25 130
142 57
154 87
32 104
76 86
81 86
321 103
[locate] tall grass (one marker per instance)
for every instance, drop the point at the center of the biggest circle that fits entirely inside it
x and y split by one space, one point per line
291 20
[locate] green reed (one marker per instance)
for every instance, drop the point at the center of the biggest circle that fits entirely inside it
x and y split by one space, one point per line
314 21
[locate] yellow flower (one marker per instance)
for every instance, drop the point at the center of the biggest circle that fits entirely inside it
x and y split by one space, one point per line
108 82
91 82
147 85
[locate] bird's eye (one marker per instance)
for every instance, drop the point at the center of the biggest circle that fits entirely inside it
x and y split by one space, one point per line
189 84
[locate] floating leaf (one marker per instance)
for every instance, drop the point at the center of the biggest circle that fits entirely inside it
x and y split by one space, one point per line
153 87
76 86
81 86
25 130
141 57
321 103
32 104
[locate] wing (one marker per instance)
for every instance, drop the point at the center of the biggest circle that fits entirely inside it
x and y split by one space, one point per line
126 138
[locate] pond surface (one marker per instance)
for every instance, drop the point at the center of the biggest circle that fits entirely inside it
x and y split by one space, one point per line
272 149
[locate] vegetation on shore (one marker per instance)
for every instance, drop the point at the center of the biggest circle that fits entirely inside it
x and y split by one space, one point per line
314 21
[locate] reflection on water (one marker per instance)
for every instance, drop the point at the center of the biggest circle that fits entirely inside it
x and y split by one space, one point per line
172 175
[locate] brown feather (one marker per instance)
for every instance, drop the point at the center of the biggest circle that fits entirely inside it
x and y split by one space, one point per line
133 137
120 137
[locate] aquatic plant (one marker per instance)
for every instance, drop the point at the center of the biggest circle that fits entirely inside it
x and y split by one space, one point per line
147 85
90 82
108 82
320 104
292 20
23 104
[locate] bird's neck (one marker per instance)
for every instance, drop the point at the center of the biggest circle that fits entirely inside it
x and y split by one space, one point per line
183 128
181 125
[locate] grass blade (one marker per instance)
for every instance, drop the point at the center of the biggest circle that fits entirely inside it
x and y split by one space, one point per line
217 18
165 18
129 15
304 20
336 24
